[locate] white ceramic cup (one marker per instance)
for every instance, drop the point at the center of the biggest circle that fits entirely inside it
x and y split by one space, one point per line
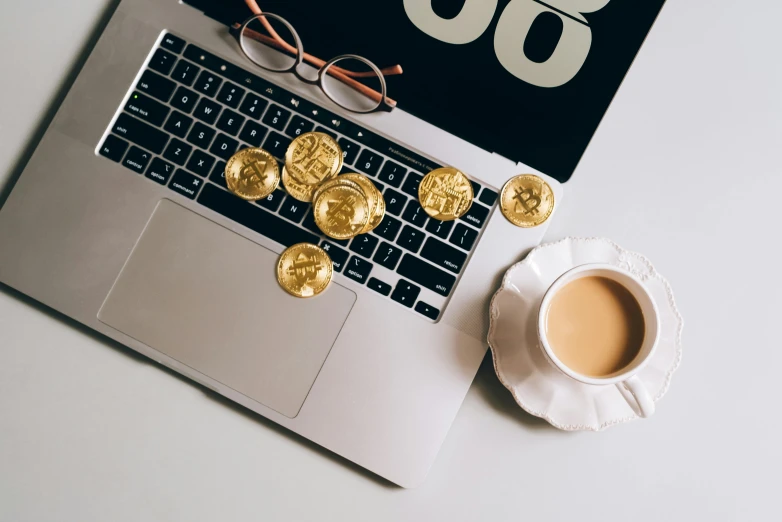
631 387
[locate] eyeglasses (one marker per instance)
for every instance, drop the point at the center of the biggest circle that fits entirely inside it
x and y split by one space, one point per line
351 81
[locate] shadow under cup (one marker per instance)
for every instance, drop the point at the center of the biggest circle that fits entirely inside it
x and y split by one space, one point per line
648 344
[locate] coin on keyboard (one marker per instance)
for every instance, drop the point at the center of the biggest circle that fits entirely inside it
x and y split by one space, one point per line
339 180
445 194
313 158
527 200
373 198
252 174
341 211
297 190
304 270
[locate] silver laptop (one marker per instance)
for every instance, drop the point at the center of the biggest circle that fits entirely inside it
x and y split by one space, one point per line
122 221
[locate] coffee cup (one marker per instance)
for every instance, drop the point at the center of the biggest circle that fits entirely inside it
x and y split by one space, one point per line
598 325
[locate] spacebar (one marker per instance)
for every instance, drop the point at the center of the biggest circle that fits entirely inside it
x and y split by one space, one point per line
254 217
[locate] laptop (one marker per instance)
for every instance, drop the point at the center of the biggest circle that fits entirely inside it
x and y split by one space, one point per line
122 220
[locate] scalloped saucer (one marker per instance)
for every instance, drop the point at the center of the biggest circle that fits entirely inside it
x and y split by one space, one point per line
519 361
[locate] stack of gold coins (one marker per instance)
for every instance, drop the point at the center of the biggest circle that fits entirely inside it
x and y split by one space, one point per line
311 159
347 206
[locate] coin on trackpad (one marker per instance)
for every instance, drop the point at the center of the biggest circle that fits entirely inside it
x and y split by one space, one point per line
208 298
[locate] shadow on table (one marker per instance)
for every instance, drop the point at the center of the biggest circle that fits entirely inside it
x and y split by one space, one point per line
141 359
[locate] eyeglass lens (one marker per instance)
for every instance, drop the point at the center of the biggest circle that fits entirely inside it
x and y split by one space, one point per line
270 43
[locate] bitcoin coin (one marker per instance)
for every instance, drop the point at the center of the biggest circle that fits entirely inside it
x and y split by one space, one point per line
341 211
380 213
297 190
304 270
313 158
339 180
373 196
445 194
526 200
252 174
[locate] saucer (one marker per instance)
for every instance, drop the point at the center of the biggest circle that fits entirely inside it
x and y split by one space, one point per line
537 386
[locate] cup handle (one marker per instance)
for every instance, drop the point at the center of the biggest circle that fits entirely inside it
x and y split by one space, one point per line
637 396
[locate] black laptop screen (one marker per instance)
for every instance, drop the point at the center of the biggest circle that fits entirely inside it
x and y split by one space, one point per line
526 79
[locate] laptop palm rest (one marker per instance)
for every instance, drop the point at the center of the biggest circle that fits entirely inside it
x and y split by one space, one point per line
208 298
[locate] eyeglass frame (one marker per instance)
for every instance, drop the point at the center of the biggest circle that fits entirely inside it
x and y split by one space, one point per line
384 104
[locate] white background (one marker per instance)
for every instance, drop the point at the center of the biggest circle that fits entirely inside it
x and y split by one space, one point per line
685 168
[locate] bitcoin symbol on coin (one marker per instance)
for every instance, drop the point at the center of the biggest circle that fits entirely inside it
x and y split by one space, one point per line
527 201
342 211
252 174
304 270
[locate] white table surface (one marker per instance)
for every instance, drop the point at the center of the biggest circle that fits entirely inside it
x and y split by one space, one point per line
685 168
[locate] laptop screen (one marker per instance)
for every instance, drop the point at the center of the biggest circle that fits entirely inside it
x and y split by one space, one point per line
526 79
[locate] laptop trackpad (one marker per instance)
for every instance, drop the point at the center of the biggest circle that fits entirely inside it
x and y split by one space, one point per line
209 298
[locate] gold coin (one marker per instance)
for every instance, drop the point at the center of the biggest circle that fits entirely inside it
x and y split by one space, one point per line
313 158
333 182
297 190
252 174
526 200
380 213
341 211
445 193
304 270
370 192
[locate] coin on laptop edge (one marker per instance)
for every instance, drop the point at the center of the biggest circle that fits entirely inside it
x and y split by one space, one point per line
341 211
445 194
313 157
252 174
304 270
526 200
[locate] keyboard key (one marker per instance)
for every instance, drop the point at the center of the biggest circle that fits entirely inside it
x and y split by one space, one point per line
185 184
475 188
252 105
443 255
156 85
200 163
331 133
488 196
177 151
159 171
178 124
185 72
172 43
254 217
364 245
298 126
439 228
388 228
218 174
395 202
224 146
379 286
476 215
349 150
230 122
410 238
387 255
377 184
144 107
231 95
276 117
294 209
162 61
463 236
427 310
338 256
207 110
405 293
113 148
415 214
411 184
392 174
137 159
273 201
276 144
253 133
426 275
201 135
369 162
184 99
208 83
358 269
142 134
300 105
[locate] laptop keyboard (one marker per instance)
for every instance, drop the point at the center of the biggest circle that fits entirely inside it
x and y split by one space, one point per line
190 111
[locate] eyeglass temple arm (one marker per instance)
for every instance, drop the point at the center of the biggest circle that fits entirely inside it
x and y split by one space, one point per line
312 60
